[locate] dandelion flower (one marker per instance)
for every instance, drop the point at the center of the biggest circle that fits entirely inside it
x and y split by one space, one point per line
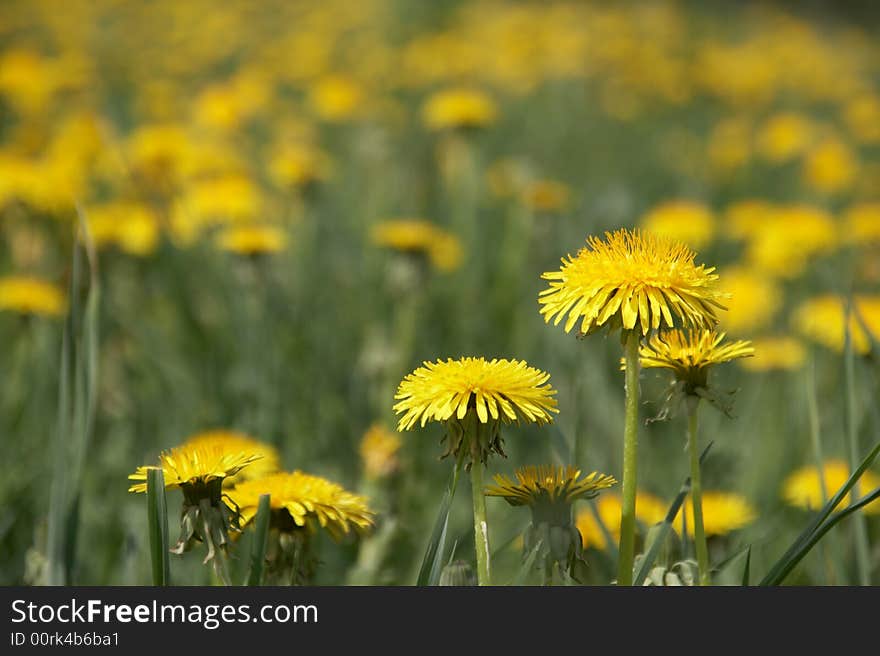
775 353
632 280
831 167
459 108
862 224
199 471
419 237
822 320
27 295
789 239
862 116
803 487
682 220
784 136
548 484
232 441
690 354
723 513
550 491
132 227
744 218
304 501
378 450
473 390
300 165
252 239
336 98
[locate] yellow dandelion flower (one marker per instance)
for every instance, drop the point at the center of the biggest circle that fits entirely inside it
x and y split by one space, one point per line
417 236
775 353
459 108
831 167
862 224
252 239
723 513
631 280
300 500
649 511
753 299
28 295
195 465
546 196
378 449
548 484
690 354
234 441
682 220
131 227
784 136
473 397
822 320
803 487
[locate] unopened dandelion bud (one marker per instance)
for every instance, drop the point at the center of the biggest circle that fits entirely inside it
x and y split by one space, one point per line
458 573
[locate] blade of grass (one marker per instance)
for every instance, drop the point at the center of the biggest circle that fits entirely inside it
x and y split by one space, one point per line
863 551
746 570
773 576
527 564
818 535
432 563
157 520
665 526
76 411
261 537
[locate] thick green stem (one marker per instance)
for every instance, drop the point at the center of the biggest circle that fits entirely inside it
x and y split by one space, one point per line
700 544
481 526
630 449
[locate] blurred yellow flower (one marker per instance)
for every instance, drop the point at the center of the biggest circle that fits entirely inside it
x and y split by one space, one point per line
649 511
753 300
28 295
831 167
790 238
251 239
632 280
214 201
744 218
132 227
336 98
303 501
682 220
784 136
775 353
803 487
729 144
821 319
378 450
723 513
231 441
299 165
459 108
546 196
862 116
442 248
862 223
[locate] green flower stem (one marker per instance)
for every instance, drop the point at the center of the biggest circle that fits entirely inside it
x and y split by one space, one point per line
481 526
630 449
697 492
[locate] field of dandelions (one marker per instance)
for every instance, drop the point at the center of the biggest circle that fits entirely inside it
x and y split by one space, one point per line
297 249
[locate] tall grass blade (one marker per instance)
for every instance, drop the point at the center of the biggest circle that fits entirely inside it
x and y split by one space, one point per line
432 563
76 411
157 520
527 564
665 527
784 565
261 538
747 570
